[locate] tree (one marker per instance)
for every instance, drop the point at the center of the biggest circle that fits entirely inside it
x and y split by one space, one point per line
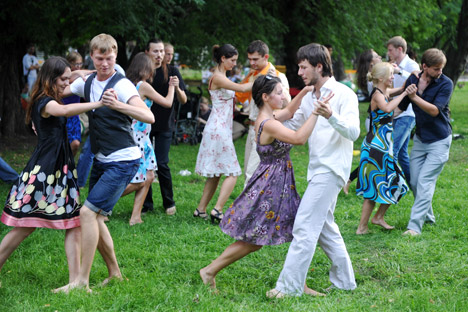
56 25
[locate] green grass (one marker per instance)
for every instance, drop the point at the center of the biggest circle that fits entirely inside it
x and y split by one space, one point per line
161 257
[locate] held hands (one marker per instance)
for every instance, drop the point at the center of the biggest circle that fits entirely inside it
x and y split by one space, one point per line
411 90
323 108
174 81
109 98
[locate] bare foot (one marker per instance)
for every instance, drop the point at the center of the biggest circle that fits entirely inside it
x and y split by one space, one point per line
117 278
346 187
311 292
136 221
411 232
207 278
275 294
362 231
382 223
69 287
171 211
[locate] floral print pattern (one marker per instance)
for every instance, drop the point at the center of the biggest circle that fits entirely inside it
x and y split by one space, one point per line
264 212
217 155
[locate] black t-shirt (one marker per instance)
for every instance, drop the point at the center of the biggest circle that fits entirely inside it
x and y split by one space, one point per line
164 117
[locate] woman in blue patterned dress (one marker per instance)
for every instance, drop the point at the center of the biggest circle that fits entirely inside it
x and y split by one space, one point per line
264 212
380 178
141 70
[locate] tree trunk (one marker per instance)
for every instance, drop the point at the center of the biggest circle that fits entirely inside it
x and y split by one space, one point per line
457 53
11 113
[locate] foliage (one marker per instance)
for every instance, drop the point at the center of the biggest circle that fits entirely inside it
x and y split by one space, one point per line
161 257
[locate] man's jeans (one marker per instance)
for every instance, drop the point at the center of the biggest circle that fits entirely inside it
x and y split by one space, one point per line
7 174
402 128
84 163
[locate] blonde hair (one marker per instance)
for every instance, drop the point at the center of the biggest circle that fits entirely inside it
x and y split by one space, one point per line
380 71
104 43
397 42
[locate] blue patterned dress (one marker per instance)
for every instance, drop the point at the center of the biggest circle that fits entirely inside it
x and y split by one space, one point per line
264 212
380 178
141 132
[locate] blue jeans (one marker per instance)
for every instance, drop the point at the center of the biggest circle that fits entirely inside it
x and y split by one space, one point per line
402 128
107 183
7 174
84 163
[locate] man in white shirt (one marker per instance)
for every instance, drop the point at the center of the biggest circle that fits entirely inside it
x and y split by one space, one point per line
330 157
404 123
117 157
257 53
30 66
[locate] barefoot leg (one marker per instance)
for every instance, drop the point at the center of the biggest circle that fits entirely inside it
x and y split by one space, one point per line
378 218
73 252
311 292
106 248
367 208
231 254
11 241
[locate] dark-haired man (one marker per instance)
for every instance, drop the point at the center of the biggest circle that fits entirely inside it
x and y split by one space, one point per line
330 157
163 127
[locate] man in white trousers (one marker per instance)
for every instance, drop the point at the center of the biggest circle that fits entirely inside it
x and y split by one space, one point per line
330 157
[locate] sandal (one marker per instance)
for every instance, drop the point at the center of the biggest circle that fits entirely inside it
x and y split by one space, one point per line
199 214
216 216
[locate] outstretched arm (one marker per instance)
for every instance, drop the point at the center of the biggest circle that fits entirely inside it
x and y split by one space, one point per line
221 81
53 108
148 91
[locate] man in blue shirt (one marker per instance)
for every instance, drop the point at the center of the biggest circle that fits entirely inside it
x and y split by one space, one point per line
433 135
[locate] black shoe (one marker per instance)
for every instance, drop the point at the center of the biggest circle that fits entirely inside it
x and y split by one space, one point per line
216 216
147 208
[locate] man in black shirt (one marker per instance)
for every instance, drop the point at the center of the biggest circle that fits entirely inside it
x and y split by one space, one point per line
163 127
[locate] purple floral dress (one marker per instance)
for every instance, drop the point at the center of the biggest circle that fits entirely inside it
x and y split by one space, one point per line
264 212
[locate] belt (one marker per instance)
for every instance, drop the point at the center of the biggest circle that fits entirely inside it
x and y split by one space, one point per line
251 122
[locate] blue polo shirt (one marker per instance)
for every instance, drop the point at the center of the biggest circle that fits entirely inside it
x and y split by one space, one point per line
431 129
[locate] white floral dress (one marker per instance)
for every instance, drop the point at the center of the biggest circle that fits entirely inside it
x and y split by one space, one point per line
46 193
217 155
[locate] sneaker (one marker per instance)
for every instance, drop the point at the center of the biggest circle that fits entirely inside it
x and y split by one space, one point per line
171 211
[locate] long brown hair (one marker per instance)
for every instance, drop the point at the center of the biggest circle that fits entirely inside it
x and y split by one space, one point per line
53 68
140 68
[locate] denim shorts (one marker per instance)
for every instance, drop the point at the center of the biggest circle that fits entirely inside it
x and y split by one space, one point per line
107 183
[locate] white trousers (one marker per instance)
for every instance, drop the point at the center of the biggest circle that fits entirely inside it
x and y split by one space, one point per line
315 223
251 158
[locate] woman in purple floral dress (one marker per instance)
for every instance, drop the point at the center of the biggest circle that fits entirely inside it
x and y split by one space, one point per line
264 212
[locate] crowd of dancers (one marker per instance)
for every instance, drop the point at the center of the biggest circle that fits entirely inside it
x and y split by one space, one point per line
131 123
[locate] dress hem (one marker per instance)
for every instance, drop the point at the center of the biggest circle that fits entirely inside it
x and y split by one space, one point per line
41 223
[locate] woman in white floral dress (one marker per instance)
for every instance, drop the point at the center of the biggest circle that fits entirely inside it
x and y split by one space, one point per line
217 155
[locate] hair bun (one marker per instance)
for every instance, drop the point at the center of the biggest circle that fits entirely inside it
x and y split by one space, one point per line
369 76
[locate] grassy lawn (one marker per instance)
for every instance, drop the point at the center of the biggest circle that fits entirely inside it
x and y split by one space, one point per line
161 257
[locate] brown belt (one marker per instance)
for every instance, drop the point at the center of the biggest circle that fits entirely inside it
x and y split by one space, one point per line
251 122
